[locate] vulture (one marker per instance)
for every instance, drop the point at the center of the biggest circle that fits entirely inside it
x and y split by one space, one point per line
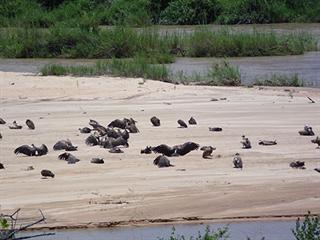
237 161
118 123
1 166
307 131
0 136
2 121
246 144
147 150
162 161
30 124
317 169
32 150
97 160
65 145
92 140
114 142
215 129
316 141
94 123
163 149
85 130
68 157
192 121
155 121
185 148
182 124
297 164
15 125
267 142
47 173
207 151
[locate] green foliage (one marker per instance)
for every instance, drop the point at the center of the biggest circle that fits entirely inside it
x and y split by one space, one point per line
280 80
308 229
224 74
219 234
189 12
4 224
136 68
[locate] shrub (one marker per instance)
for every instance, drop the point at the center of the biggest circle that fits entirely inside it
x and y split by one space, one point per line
280 80
308 229
224 74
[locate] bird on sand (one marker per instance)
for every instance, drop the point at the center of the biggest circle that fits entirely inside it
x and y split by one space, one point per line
47 173
30 124
32 150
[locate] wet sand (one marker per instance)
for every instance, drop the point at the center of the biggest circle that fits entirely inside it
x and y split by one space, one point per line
128 188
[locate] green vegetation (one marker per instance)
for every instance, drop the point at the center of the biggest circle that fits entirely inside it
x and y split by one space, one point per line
280 80
73 13
224 74
308 229
123 42
136 68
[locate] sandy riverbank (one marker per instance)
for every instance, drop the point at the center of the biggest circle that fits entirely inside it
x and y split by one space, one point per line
128 188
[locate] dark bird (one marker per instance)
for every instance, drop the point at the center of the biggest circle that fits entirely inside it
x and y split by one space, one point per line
162 161
94 123
192 121
207 151
118 123
246 144
15 125
316 141
307 131
114 142
2 121
147 150
97 160
132 128
182 124
115 150
47 173
32 150
92 140
163 149
85 130
71 159
317 169
65 145
155 121
1 166
267 142
237 161
0 136
215 129
297 164
185 148
30 124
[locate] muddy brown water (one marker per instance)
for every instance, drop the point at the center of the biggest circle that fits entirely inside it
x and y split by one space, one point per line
271 230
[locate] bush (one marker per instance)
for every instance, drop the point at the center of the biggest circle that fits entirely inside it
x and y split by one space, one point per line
189 12
280 80
224 74
308 229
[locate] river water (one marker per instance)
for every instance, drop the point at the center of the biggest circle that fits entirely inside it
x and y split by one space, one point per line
271 230
306 66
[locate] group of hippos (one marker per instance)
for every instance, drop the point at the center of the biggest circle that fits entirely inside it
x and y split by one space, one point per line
115 137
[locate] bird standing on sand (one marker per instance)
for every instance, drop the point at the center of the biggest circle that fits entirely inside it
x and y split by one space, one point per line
307 131
192 121
65 145
207 151
30 124
162 161
237 161
69 158
316 141
47 173
15 125
246 144
155 121
2 121
182 124
1 166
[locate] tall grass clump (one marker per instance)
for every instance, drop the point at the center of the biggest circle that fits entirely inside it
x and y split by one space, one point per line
307 229
219 234
205 43
224 74
137 67
280 80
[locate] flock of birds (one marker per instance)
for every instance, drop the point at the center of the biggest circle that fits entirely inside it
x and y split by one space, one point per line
115 137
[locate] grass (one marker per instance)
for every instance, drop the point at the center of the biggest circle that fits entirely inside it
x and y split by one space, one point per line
136 68
280 80
123 42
